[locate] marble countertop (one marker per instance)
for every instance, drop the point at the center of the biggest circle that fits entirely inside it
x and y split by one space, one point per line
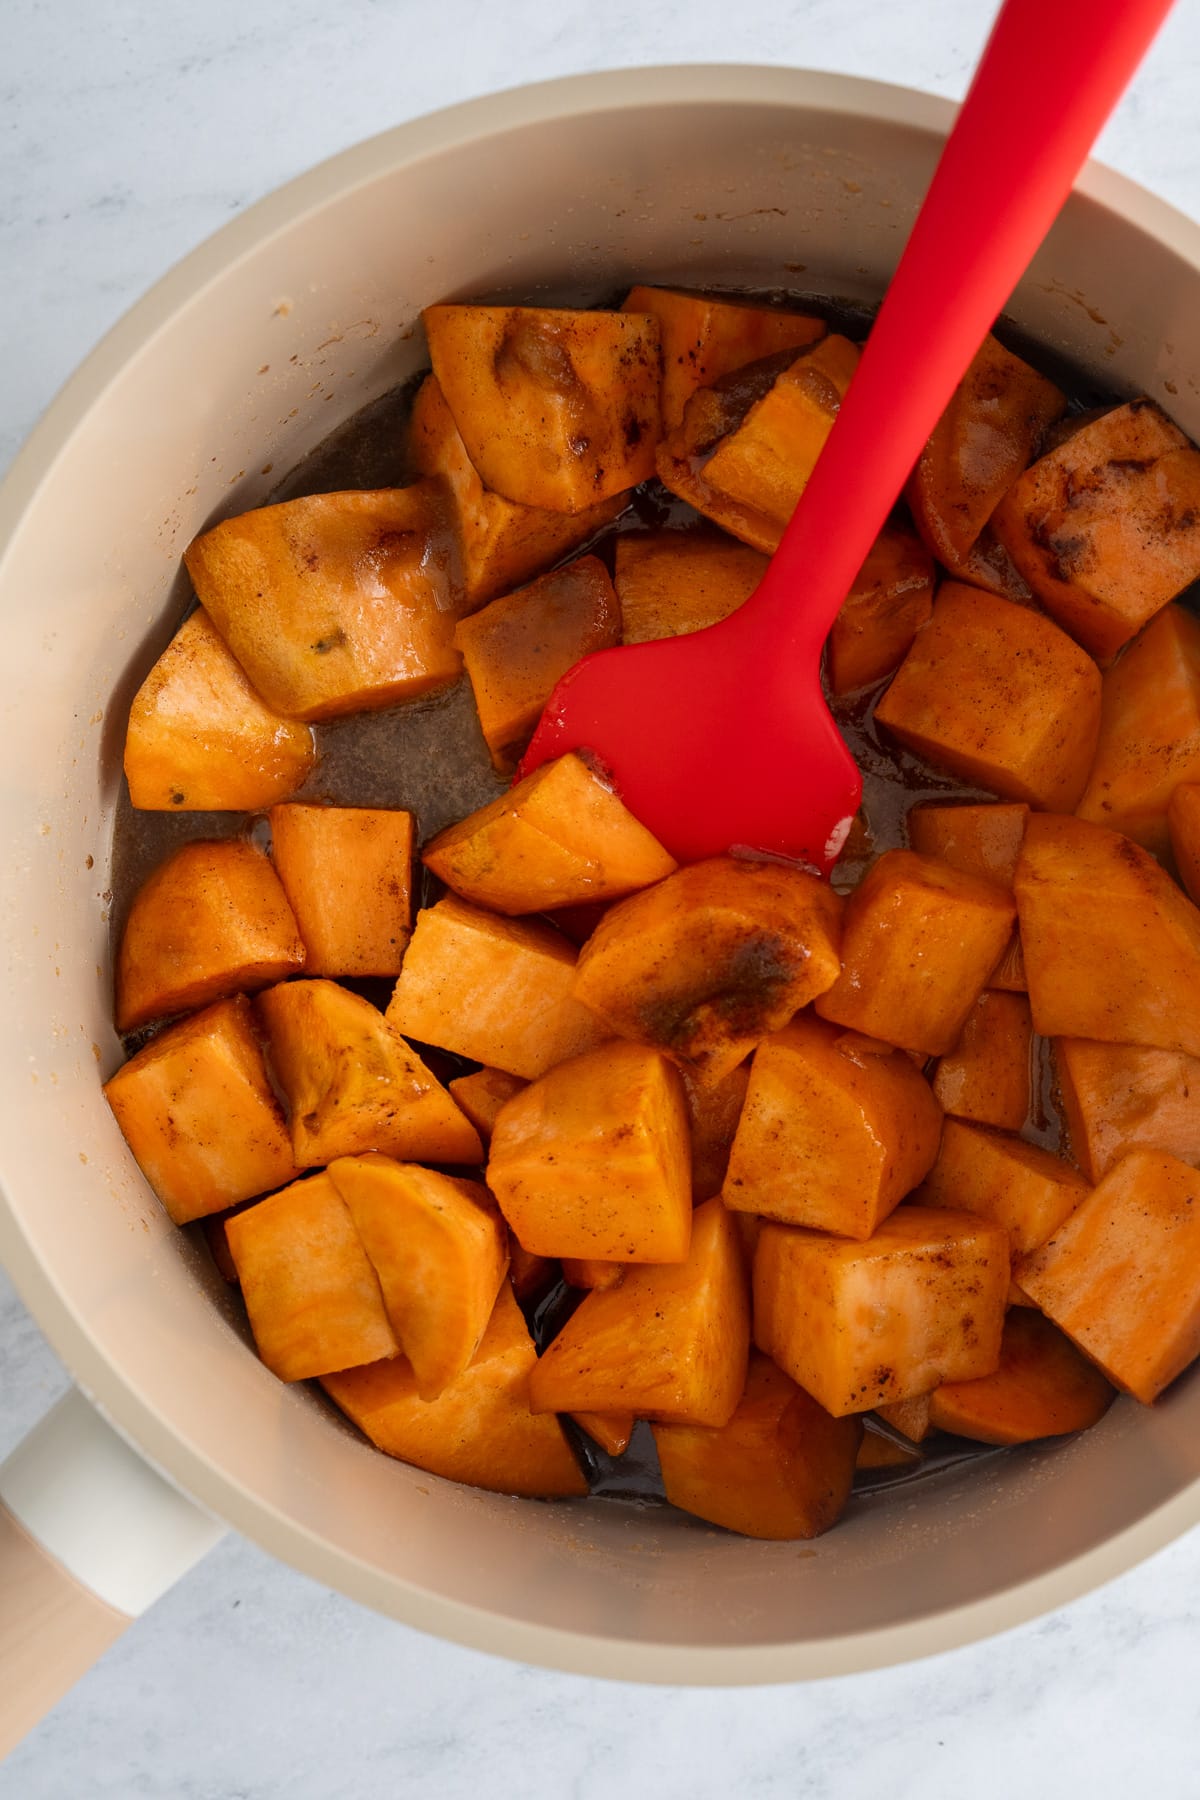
129 131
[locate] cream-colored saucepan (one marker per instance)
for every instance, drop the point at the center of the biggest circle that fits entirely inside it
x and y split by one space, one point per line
241 359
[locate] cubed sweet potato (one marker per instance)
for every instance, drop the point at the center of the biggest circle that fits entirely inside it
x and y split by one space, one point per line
835 1130
979 840
878 1452
557 408
1106 528
988 1076
1042 1388
352 1084
704 338
713 1114
347 872
891 599
593 1160
1122 1276
479 1429
677 580
1112 948
313 1298
779 1468
558 838
920 941
612 1431
710 960
671 1341
517 649
481 1096
200 739
440 1250
529 1275
999 696
1183 824
1149 731
1116 1096
210 921
1027 1190
862 1324
496 990
908 1416
196 1109
336 603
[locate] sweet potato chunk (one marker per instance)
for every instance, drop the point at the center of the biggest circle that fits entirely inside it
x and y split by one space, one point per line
1020 1186
713 1114
879 1452
979 840
1042 1388
675 581
313 1298
858 1325
347 872
908 1416
482 1095
529 1275
500 544
593 1160
557 409
920 941
1112 948
891 599
479 1429
704 338
517 649
1122 1276
671 1341
352 1084
1000 697
780 1467
336 603
1116 1096
496 990
835 1130
200 739
612 1431
1149 731
1183 823
210 921
558 838
1106 529
712 959
440 1250
196 1109
988 1076
591 1272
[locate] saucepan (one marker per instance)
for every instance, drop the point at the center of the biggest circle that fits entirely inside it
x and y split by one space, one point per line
244 357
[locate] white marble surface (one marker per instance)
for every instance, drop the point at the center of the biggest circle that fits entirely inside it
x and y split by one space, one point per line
128 130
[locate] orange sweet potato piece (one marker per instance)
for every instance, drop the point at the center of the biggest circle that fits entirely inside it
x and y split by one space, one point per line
891 599
210 921
713 1114
440 1250
1112 948
200 739
313 1298
500 544
336 603
671 1341
999 696
988 1076
909 1416
481 1096
591 1272
1027 1190
347 872
704 338
1115 1096
496 990
1106 528
593 1160
677 580
612 1431
710 960
1183 824
920 941
835 1130
780 1468
1009 973
862 1324
518 648
196 1109
558 838
879 1452
529 1275
1042 1388
479 1429
1122 1276
352 1084
557 409
979 840
1149 731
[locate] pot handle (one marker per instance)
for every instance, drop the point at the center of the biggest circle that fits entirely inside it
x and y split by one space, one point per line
90 1536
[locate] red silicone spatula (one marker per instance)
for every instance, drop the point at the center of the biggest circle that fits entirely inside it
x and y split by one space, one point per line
723 738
